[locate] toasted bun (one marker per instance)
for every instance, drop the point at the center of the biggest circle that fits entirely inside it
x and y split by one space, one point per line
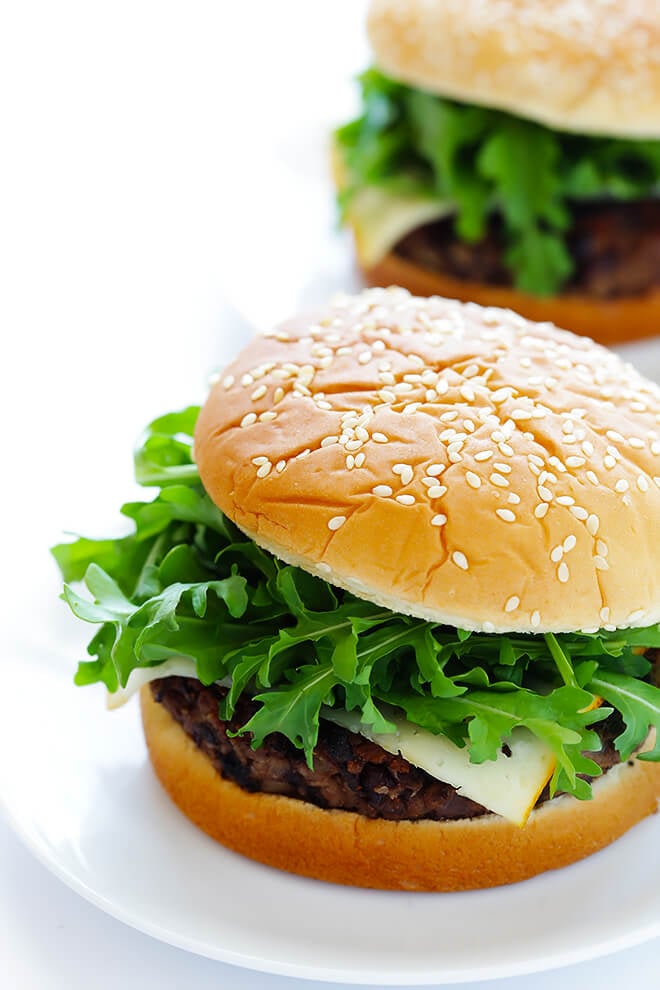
611 321
447 461
591 66
342 847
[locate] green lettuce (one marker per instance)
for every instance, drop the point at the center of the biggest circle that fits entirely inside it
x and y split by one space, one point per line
188 583
487 161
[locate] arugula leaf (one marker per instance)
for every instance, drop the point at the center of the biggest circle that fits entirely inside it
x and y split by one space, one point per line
639 703
487 161
187 583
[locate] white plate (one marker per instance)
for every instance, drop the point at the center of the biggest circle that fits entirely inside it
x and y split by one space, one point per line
83 798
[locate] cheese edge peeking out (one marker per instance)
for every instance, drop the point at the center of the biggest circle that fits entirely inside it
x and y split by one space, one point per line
508 786
380 219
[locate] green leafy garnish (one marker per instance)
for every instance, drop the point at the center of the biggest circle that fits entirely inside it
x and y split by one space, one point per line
486 161
188 583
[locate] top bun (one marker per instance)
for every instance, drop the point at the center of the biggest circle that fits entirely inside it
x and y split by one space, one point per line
445 460
591 66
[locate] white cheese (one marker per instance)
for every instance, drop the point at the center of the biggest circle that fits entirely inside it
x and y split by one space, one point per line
380 219
139 676
508 786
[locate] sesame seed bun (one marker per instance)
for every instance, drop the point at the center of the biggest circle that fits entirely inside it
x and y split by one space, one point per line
591 66
445 460
422 855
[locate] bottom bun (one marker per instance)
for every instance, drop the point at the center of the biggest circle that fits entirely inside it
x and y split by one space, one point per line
609 321
345 848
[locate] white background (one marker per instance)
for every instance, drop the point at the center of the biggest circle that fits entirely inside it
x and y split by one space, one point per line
159 161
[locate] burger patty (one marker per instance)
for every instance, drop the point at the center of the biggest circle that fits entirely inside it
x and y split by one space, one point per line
615 247
350 772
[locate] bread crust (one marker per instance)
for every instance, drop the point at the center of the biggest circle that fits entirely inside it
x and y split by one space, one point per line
609 321
345 848
574 65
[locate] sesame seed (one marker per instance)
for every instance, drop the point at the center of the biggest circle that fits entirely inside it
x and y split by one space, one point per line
569 543
621 485
614 436
303 454
605 613
379 438
279 467
565 500
506 514
359 460
353 444
514 499
228 381
601 564
512 604
563 573
406 499
483 455
489 627
460 560
499 480
264 470
593 522
636 443
467 392
364 357
336 522
536 619
329 441
247 380
404 471
473 480
436 491
506 449
575 461
593 477
541 510
350 462
382 491
249 419
556 554
601 548
504 468
433 470
642 483
545 493
439 520
579 513
268 416
259 393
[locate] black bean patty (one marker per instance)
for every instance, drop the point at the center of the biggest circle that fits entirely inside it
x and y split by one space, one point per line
615 247
349 772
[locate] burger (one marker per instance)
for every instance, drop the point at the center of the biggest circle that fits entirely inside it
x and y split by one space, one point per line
508 153
394 610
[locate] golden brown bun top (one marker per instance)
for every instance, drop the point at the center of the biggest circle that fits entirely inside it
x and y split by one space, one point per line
591 66
449 461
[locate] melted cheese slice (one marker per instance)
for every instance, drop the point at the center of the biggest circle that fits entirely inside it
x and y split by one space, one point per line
380 219
508 786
